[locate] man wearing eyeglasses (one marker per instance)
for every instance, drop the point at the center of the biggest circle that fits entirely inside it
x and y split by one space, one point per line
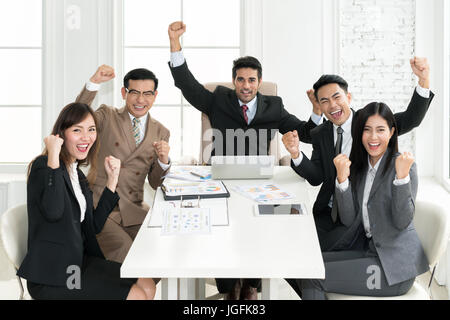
140 142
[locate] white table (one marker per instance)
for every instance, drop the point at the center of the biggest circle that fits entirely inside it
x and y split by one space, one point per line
250 247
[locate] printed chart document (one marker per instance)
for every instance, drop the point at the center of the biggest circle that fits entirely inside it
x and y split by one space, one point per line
218 209
267 192
192 190
185 221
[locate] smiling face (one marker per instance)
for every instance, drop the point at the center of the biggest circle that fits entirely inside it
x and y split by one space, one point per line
79 138
334 103
376 136
246 84
139 97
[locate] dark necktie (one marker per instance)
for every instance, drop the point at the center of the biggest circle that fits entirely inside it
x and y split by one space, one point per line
337 150
244 110
338 147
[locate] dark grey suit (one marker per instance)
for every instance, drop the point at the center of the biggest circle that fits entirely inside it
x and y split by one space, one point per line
394 248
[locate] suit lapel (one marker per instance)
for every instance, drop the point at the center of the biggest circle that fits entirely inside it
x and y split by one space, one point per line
67 179
377 182
125 125
237 110
261 106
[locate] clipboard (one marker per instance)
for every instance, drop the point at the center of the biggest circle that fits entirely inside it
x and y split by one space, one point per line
202 190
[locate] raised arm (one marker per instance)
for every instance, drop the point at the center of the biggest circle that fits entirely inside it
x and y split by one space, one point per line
109 197
418 106
343 194
46 181
404 193
192 90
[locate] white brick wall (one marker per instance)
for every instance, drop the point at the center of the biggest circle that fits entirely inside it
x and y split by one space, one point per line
377 39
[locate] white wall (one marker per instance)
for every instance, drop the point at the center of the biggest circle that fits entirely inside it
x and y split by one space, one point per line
294 53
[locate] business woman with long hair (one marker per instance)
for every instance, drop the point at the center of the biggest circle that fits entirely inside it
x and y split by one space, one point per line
64 260
375 193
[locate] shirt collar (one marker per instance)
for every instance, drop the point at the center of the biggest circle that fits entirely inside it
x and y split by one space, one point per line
347 125
376 164
251 105
143 119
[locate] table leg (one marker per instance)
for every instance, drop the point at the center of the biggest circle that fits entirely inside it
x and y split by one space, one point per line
187 289
169 289
267 289
200 289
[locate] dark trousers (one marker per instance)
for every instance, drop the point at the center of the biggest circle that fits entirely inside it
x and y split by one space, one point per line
227 285
354 272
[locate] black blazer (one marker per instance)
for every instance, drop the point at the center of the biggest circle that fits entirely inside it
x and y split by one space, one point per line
222 108
320 169
56 238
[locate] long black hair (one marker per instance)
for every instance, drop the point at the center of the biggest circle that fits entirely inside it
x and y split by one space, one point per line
359 154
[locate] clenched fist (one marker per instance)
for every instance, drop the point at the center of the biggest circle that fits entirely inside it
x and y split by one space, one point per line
403 164
291 142
53 144
342 164
112 168
176 29
104 73
421 69
162 151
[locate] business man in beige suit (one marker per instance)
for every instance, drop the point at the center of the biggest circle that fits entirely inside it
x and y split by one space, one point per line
140 142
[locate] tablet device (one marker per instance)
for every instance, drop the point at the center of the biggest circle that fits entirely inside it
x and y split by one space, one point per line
280 209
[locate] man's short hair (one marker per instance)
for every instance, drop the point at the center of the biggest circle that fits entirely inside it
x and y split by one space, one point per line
247 62
140 74
327 79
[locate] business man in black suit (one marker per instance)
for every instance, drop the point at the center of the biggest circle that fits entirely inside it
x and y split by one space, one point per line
237 116
335 136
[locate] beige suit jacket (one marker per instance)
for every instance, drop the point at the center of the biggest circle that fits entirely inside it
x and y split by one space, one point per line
115 135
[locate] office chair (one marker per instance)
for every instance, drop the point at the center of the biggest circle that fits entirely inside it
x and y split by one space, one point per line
433 227
267 88
14 236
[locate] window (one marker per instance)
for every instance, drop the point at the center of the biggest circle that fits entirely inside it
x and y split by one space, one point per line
210 45
21 80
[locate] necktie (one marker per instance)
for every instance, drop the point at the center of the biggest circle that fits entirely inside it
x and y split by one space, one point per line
337 150
136 131
338 147
244 110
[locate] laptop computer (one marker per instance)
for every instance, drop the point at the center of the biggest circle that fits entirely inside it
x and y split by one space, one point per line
242 167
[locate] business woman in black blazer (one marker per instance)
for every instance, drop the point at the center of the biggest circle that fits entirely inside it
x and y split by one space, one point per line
64 260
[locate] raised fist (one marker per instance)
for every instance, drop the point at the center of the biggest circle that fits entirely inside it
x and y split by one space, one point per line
162 150
342 164
104 73
291 142
176 29
403 164
421 69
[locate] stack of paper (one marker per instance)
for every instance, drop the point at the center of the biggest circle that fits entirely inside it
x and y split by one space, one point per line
189 174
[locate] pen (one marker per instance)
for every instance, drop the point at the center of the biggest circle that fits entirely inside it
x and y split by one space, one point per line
198 174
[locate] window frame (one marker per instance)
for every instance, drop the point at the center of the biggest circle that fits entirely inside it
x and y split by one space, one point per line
20 167
119 60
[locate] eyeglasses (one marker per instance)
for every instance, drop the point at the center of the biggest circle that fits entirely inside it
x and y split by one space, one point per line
137 94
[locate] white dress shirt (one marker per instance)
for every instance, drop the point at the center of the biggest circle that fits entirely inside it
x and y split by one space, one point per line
370 177
73 174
